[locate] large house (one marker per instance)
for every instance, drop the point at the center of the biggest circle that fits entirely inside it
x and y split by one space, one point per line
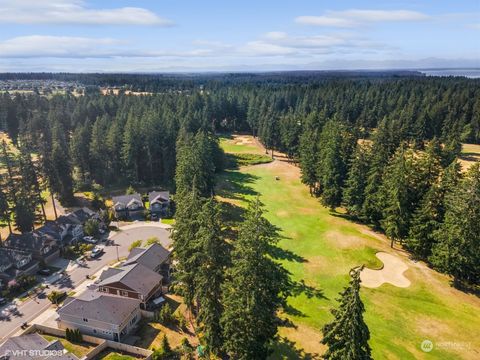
154 257
128 207
134 281
159 204
71 225
14 263
108 317
41 243
33 347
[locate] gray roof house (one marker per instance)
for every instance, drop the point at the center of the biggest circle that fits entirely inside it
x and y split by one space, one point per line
134 281
159 203
41 243
128 207
14 263
108 317
154 257
33 347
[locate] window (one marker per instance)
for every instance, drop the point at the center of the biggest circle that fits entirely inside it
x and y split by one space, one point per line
85 319
124 293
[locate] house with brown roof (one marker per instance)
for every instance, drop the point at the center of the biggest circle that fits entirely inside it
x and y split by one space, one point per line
154 257
134 281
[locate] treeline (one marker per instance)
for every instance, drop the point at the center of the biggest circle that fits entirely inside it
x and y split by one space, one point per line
232 286
415 192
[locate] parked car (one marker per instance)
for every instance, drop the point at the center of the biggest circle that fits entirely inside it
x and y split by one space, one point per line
44 272
90 239
96 252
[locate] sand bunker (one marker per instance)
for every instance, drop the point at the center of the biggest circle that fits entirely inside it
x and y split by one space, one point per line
243 140
392 272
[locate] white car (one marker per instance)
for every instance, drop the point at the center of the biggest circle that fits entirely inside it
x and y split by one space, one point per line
90 239
96 251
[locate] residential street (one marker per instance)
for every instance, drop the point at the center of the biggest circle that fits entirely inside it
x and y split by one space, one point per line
12 317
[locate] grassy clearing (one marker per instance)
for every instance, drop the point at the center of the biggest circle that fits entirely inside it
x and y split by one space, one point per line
470 155
79 350
320 247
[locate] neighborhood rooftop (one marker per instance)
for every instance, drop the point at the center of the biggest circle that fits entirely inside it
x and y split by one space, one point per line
126 199
35 343
104 308
136 276
149 257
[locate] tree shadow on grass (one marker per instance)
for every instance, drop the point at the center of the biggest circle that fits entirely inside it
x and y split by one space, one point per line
300 287
235 185
286 349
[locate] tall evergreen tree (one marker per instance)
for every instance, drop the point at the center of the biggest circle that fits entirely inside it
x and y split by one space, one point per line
347 335
354 192
457 251
335 147
254 290
308 150
185 244
430 213
209 275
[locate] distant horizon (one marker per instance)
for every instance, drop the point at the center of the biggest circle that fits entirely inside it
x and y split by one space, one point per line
87 36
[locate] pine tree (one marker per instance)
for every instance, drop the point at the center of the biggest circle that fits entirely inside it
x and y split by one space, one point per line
430 213
209 275
185 244
457 251
354 192
24 212
254 290
347 335
395 191
308 150
5 211
335 146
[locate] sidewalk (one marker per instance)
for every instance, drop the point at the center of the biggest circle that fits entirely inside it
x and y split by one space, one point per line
48 317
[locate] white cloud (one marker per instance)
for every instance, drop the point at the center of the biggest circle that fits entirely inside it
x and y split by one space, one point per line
74 12
40 46
325 21
474 26
263 48
355 17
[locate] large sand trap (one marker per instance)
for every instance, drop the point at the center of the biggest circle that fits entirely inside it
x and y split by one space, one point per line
392 272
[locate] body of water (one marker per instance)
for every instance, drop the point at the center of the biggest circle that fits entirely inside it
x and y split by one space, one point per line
469 73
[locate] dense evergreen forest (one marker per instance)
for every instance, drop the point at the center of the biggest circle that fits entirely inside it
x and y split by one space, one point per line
382 145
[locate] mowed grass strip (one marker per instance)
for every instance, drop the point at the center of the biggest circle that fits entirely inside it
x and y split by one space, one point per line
322 247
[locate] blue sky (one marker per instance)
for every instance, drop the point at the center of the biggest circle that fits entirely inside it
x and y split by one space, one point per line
176 35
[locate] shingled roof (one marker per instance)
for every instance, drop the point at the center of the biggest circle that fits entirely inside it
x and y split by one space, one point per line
106 309
150 257
137 277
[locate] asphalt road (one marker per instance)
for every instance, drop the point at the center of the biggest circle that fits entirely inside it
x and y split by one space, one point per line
12 317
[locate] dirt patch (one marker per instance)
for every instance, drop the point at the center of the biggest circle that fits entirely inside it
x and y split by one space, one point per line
283 213
391 272
306 339
343 241
243 140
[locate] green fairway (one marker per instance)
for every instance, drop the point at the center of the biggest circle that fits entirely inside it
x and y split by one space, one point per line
319 248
